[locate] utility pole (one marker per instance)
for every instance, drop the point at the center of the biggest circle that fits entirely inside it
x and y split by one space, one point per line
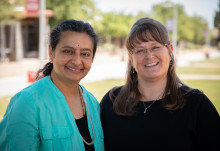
42 32
2 42
175 23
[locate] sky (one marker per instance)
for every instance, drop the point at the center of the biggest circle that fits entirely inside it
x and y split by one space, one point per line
203 8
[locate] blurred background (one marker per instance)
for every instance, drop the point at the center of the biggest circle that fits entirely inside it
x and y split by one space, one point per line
193 25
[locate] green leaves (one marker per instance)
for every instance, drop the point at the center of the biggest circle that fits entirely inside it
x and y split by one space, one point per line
189 28
71 9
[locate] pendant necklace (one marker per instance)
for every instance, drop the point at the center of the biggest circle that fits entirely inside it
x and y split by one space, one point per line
145 110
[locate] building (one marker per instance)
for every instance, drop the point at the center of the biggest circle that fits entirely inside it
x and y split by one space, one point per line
20 38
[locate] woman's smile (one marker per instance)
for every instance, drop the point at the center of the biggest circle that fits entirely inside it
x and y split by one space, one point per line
151 64
74 69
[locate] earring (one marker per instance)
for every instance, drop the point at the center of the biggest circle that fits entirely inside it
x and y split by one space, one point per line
133 70
171 62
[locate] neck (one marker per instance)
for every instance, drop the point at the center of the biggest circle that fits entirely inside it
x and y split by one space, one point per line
152 90
67 88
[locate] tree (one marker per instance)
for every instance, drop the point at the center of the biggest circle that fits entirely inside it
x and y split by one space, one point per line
6 10
189 28
71 9
217 21
115 27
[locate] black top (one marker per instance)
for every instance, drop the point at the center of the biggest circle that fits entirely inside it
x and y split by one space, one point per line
195 127
84 131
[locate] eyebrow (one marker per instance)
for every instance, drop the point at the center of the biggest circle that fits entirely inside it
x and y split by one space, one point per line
152 44
83 49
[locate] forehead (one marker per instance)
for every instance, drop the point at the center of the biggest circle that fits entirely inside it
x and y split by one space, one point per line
74 35
75 39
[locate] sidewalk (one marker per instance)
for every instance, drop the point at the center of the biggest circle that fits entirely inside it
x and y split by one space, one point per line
13 76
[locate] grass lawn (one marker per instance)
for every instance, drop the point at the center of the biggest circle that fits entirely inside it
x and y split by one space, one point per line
196 70
202 67
100 88
3 105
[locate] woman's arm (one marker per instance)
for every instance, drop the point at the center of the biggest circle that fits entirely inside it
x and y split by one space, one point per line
19 129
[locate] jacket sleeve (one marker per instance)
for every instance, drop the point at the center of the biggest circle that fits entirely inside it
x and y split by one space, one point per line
19 128
208 126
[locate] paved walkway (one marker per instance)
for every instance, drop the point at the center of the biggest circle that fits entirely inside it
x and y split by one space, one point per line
13 76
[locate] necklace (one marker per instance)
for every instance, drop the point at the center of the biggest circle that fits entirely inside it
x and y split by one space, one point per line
83 105
145 110
86 107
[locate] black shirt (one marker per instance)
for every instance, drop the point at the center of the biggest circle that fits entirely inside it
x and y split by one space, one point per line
194 127
82 125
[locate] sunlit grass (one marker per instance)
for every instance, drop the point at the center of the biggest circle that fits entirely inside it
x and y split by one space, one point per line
209 66
99 88
3 105
194 70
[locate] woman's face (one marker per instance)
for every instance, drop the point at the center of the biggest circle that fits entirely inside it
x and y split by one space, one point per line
73 56
151 60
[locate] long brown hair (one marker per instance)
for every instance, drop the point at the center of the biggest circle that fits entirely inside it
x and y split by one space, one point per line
146 29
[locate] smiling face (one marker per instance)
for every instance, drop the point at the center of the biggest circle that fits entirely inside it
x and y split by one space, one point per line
151 60
72 58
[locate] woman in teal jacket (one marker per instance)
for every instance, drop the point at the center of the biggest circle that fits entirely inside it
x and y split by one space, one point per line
55 112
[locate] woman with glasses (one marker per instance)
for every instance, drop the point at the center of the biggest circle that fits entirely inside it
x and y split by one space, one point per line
155 110
56 113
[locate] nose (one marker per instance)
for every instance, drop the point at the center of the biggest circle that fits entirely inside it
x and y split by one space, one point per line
76 60
148 54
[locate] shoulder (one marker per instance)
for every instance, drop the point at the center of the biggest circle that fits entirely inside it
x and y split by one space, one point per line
37 86
110 96
192 94
198 101
33 92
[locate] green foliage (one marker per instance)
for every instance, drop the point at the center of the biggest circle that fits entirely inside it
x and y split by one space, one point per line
115 25
6 10
71 9
189 28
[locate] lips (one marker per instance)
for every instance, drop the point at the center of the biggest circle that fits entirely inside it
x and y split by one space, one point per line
74 69
151 64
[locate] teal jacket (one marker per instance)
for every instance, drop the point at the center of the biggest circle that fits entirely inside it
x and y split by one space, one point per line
39 118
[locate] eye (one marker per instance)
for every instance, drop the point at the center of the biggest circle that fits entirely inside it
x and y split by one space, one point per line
154 48
139 51
67 51
86 54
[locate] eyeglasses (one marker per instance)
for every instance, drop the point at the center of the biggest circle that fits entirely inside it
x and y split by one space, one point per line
140 52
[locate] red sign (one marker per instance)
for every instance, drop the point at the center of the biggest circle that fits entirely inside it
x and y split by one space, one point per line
32 6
